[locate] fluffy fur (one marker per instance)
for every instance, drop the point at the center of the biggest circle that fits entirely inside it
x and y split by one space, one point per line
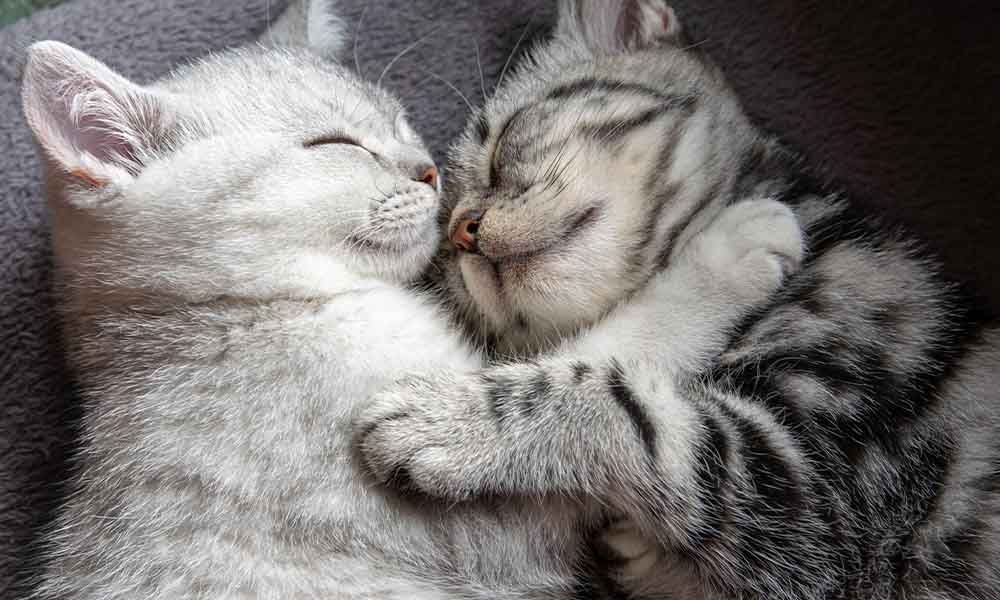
234 245
839 442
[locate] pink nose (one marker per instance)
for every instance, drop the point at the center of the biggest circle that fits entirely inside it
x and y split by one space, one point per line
429 176
464 235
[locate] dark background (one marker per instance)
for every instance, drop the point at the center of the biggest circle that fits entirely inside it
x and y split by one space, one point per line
895 100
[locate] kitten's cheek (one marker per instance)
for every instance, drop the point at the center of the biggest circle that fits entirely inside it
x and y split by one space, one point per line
485 286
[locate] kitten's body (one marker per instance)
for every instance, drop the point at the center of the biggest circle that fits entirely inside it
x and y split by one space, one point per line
242 481
233 247
841 442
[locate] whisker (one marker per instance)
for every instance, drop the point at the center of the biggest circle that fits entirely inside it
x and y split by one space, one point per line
562 150
695 45
557 176
552 165
559 162
520 40
357 35
452 86
550 176
482 80
375 184
403 52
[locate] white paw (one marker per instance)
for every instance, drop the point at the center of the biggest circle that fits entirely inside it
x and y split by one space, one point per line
753 245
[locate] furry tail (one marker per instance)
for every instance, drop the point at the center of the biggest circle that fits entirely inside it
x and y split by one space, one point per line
312 24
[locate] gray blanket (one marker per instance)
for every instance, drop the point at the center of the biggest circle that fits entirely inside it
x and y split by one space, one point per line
896 100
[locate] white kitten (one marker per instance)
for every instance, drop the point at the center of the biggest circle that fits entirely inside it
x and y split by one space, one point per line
233 245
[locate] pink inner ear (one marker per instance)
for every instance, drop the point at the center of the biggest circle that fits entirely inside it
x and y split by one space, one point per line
66 138
104 141
88 119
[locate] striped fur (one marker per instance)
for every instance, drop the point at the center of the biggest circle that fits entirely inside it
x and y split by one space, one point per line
838 441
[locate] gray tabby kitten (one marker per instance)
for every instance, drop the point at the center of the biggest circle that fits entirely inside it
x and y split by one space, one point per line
234 245
843 442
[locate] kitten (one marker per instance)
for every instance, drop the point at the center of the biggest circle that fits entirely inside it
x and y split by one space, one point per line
234 245
839 442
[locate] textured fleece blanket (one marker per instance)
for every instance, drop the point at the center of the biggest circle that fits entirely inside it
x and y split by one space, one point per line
894 99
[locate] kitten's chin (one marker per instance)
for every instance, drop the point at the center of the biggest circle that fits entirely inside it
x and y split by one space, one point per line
403 264
512 328
485 285
522 308
402 257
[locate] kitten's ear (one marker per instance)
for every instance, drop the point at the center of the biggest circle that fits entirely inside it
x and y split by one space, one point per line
311 24
611 26
92 123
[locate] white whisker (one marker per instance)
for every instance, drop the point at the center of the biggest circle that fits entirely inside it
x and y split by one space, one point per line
452 86
520 40
404 52
695 45
357 35
482 80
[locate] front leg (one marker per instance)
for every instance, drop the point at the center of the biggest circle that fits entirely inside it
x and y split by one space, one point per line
523 428
600 413
624 436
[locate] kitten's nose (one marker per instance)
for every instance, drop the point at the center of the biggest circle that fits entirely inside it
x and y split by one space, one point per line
426 173
464 234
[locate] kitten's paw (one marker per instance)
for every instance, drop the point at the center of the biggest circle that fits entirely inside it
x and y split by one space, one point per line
632 553
753 246
414 437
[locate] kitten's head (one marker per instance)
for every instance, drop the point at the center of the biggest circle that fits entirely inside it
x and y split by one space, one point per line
254 173
585 172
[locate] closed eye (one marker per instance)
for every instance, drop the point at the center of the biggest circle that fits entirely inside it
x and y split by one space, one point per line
494 168
332 139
